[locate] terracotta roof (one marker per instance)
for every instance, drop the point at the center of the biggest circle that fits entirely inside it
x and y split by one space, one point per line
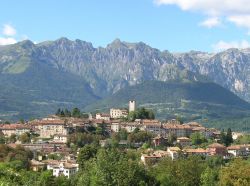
176 126
216 145
100 121
235 147
199 150
199 128
152 124
150 121
13 126
50 122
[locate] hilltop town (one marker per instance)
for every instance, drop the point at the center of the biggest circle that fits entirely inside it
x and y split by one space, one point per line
56 141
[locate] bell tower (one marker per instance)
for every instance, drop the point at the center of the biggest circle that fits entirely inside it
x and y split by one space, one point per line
131 106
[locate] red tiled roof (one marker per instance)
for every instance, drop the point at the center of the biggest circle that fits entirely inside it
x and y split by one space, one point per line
176 126
48 122
216 145
13 126
235 147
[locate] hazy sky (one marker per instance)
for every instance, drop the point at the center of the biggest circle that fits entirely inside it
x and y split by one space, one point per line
175 25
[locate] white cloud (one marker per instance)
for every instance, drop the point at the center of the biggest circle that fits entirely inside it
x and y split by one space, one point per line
235 11
241 20
9 30
7 41
211 22
222 45
211 7
9 35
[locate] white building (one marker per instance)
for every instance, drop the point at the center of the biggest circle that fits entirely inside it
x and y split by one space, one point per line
49 128
115 127
236 135
65 169
153 126
118 113
60 138
237 150
61 167
131 126
102 116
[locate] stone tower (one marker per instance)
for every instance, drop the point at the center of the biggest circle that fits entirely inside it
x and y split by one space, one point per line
131 106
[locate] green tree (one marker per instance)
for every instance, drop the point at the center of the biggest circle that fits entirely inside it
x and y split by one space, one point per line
141 113
62 181
62 114
178 173
2 139
85 154
58 112
245 139
180 119
112 167
67 113
171 139
197 138
236 174
210 177
76 113
229 137
226 138
46 178
100 130
123 134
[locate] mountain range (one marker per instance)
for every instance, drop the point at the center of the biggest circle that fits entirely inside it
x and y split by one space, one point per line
38 78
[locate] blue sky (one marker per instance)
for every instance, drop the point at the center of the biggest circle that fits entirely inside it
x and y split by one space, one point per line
174 25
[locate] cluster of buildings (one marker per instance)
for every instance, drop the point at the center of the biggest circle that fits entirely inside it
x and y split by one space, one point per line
214 149
53 133
164 129
58 129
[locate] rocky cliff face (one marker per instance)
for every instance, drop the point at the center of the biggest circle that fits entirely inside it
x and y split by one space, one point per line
109 69
229 68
